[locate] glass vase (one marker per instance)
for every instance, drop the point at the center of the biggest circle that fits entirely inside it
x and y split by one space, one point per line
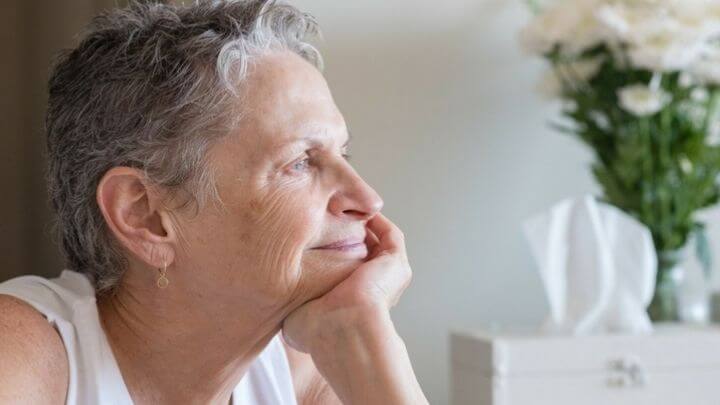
682 292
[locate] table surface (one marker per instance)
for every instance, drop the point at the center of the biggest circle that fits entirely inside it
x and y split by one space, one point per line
662 328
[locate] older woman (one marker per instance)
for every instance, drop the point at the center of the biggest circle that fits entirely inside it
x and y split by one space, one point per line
220 248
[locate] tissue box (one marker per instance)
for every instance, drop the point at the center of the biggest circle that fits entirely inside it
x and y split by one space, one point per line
675 365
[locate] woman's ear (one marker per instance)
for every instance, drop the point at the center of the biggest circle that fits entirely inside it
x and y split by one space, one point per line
134 213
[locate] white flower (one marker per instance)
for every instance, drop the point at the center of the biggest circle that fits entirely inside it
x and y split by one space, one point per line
695 108
666 52
695 12
713 135
661 35
685 165
707 68
694 112
581 70
686 80
626 22
637 21
569 23
573 74
600 119
699 94
642 100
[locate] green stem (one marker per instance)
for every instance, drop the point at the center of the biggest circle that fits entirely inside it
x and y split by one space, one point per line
712 110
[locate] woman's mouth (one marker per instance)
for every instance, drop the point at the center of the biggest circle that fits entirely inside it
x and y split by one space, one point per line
350 246
344 247
343 244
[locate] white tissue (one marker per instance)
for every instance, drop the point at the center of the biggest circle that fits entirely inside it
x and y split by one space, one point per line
598 267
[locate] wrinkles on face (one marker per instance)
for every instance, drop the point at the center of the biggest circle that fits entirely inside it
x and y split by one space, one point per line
282 227
257 251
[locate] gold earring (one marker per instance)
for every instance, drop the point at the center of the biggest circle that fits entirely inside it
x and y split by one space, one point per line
163 281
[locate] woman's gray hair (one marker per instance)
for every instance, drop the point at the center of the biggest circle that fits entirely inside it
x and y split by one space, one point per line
151 86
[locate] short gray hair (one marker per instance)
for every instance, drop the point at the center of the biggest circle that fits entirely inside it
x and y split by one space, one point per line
151 86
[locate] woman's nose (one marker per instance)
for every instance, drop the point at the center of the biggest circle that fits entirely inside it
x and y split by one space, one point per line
354 197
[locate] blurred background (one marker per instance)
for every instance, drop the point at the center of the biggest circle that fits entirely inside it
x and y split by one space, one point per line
448 128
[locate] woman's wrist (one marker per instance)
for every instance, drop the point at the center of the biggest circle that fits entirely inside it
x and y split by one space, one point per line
344 326
362 357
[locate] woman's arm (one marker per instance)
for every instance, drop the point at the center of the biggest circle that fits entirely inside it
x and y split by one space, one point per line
33 362
310 386
348 331
365 361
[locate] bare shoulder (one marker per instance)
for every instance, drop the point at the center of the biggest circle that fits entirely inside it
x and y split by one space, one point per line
310 386
34 366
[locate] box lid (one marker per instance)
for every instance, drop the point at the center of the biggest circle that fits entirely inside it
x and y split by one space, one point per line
669 347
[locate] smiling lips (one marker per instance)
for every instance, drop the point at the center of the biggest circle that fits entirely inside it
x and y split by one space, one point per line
343 244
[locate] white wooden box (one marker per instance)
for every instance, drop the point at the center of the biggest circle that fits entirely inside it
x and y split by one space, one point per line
676 365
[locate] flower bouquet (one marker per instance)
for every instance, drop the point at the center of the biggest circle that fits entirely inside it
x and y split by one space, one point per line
640 85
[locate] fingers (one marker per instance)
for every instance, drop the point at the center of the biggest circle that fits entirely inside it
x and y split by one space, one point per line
391 277
372 242
390 237
396 272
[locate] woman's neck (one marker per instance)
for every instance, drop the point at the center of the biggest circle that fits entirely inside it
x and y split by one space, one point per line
177 347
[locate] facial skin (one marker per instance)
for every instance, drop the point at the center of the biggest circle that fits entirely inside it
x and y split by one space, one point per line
286 188
235 272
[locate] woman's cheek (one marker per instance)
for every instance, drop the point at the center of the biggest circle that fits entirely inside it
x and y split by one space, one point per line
285 224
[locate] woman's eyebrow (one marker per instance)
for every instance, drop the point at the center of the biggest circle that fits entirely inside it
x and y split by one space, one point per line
316 141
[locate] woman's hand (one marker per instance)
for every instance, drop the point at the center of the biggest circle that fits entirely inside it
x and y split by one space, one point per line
374 287
349 333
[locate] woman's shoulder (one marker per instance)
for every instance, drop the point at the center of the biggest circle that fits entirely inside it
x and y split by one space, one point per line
55 298
35 365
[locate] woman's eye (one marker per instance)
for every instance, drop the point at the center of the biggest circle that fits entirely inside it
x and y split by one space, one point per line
301 164
304 164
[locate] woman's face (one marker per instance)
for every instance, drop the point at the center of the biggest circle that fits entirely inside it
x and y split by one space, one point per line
287 189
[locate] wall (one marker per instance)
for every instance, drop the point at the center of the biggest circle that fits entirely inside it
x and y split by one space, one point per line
12 233
448 128
32 33
48 26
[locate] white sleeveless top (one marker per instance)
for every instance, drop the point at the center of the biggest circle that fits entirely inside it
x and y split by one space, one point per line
68 303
